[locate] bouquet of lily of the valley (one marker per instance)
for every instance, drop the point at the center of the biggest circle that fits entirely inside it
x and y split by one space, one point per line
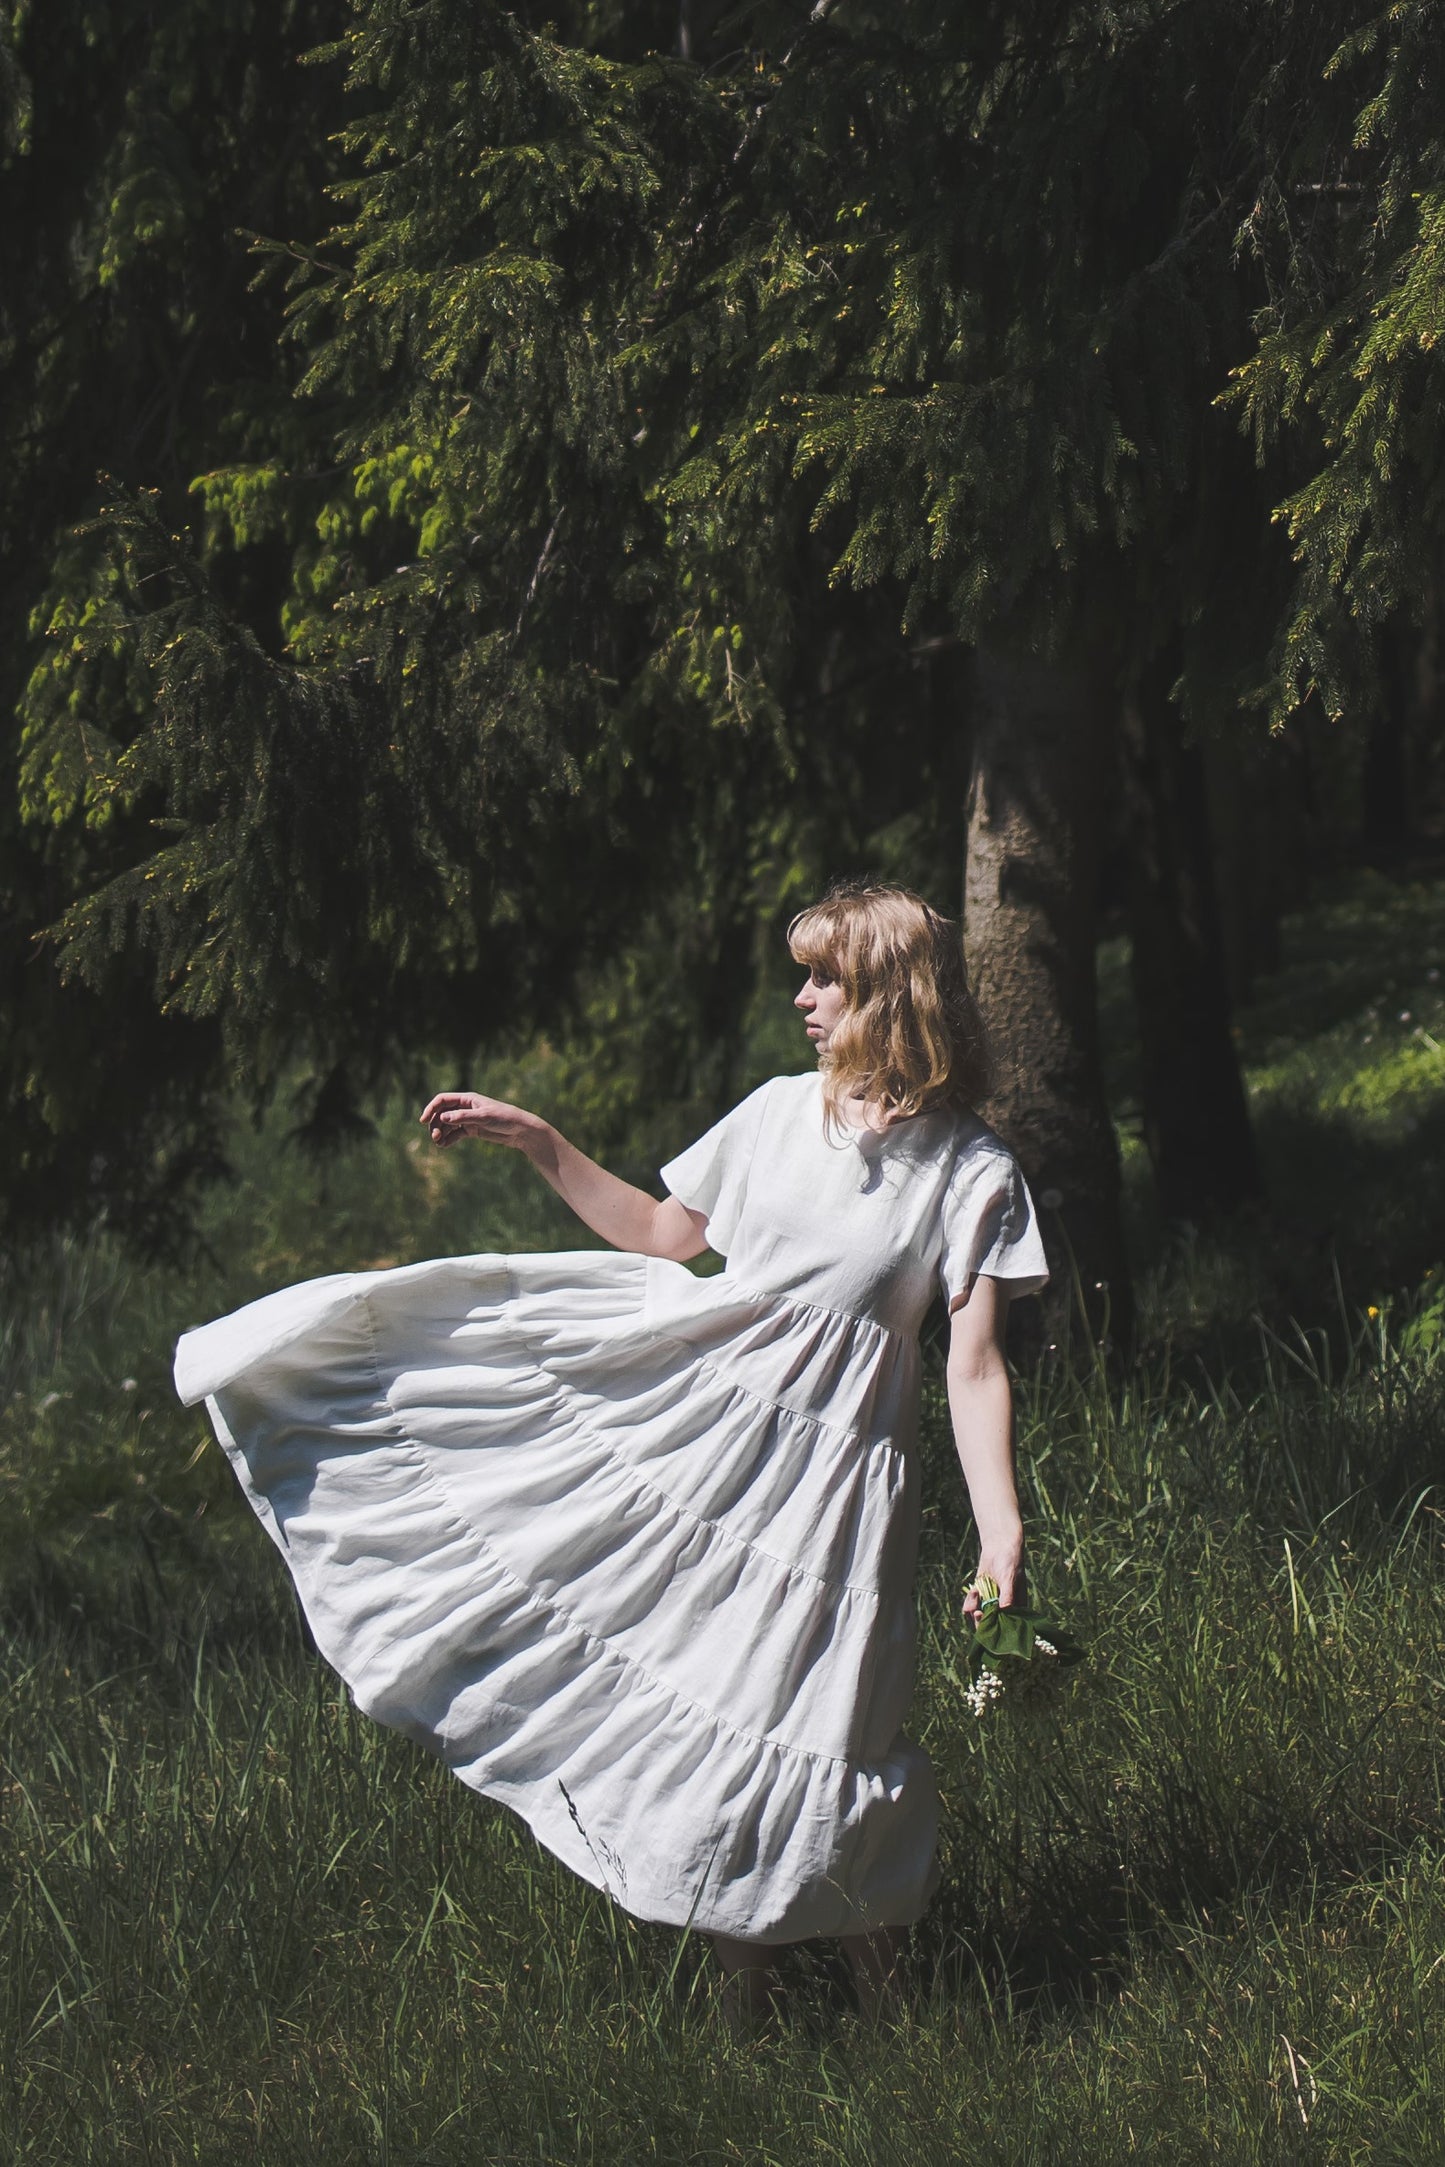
1015 1656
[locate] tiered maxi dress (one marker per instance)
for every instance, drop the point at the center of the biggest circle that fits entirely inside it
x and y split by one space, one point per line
631 1549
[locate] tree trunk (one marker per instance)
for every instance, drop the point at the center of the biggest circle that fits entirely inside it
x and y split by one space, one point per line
1239 799
1036 809
1386 801
1196 1117
1265 819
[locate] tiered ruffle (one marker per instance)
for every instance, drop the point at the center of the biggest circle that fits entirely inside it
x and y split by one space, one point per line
631 1550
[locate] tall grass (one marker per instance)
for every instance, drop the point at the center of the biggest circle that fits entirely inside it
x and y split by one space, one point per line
1195 1915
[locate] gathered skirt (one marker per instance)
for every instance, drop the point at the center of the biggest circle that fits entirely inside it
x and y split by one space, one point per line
631 1550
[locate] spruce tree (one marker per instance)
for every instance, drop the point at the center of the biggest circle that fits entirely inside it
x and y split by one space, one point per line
1346 373
648 405
136 143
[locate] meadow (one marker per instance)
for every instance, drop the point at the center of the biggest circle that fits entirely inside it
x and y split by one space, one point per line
1196 1912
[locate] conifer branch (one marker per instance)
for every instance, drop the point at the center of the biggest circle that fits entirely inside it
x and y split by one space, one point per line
538 571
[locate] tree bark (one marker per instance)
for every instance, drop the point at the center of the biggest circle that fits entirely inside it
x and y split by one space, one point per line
1386 801
1264 820
1196 1117
1035 824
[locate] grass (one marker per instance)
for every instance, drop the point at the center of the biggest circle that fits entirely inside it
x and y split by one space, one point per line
242 1922
1196 1914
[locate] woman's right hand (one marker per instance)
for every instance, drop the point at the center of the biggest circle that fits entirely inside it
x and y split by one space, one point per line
454 1114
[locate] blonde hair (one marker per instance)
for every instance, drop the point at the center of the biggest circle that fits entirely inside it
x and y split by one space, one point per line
910 1037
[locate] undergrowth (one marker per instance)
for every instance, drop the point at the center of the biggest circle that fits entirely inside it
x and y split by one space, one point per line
1196 1914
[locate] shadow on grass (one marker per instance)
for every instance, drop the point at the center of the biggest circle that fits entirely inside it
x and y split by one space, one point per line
1088 1919
1069 1856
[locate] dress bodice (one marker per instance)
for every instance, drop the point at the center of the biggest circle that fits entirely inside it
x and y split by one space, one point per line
868 1223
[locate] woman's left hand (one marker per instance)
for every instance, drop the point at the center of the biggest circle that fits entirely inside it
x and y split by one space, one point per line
1006 1566
980 1401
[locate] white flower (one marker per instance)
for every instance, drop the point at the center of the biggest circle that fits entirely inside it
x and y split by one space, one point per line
982 1694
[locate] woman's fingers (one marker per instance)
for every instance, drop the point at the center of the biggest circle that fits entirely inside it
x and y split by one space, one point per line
466 1113
1012 1590
455 1113
444 1102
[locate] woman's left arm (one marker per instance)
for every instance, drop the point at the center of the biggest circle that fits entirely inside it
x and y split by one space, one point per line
980 1402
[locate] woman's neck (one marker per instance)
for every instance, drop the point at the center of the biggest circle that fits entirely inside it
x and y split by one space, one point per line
865 1113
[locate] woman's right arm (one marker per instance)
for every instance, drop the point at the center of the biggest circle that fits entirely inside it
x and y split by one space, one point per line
626 1217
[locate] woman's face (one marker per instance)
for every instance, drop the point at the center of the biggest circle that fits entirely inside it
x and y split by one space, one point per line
821 1002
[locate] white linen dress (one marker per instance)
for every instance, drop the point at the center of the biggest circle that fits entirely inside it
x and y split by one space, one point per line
633 1550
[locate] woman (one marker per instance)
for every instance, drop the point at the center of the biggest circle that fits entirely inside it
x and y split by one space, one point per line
633 1550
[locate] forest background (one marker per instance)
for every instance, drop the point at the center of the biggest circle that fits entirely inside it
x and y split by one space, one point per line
565 494
496 510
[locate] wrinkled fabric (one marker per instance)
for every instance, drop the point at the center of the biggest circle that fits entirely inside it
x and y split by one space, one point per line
632 1550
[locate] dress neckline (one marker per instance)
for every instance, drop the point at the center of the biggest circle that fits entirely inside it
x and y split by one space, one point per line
863 1136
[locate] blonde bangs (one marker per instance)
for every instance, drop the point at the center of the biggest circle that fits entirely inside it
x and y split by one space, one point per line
910 1037
814 939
